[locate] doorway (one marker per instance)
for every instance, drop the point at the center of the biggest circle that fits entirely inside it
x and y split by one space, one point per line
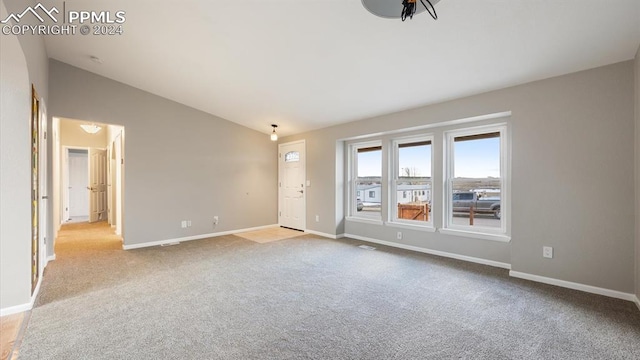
291 185
88 166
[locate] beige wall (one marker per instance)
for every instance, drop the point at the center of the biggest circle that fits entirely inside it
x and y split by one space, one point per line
180 163
71 134
572 176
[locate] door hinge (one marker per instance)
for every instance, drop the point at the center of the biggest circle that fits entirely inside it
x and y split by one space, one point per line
45 135
280 213
121 161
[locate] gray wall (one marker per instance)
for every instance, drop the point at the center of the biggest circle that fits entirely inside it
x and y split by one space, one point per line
572 176
180 163
637 167
23 62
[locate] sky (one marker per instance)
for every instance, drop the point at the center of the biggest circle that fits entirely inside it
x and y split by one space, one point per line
477 158
473 159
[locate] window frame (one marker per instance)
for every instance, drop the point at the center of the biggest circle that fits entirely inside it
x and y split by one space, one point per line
352 211
483 232
394 179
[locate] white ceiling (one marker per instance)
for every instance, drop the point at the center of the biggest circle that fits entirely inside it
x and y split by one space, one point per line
307 64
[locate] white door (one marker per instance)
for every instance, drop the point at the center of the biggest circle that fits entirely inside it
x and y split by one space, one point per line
97 185
119 180
44 191
78 181
291 194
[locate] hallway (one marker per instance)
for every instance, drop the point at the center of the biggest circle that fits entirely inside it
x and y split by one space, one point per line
83 242
86 244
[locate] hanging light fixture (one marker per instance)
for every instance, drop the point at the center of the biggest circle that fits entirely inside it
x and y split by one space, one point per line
274 135
400 9
91 128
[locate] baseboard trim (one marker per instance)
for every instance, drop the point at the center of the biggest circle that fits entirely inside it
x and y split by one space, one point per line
16 309
637 301
313 232
195 237
23 307
433 252
575 286
51 258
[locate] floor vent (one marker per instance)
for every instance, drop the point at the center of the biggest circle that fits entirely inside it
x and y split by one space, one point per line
366 247
171 243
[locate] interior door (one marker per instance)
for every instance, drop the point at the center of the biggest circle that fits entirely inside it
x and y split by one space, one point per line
44 191
97 185
291 194
78 178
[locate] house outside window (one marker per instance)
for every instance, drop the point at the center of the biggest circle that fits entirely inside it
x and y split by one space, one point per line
475 180
366 178
412 176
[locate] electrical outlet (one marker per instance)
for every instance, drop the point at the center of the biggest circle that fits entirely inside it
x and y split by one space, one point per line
188 223
547 251
216 219
399 235
183 224
317 218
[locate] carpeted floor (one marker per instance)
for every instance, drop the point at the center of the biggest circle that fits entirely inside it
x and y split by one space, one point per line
308 298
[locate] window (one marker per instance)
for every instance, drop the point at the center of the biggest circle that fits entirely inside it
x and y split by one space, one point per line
292 156
476 170
367 178
412 184
453 179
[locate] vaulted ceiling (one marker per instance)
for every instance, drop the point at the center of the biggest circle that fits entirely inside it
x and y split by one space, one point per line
307 64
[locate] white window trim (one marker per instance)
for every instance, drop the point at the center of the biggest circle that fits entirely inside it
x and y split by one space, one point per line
352 210
476 234
393 192
487 233
411 226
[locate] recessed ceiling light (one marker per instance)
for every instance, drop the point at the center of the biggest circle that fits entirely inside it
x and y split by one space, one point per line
95 59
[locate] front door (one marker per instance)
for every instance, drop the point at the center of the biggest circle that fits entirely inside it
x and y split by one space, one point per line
291 194
97 185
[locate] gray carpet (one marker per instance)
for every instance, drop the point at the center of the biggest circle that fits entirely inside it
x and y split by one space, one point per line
311 298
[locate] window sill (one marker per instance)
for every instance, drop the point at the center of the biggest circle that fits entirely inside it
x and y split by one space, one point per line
397 224
365 220
476 235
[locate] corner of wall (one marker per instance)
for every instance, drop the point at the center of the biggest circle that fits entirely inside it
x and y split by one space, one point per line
637 171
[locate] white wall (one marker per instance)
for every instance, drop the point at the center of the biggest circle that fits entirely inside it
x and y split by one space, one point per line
36 57
572 173
180 163
15 175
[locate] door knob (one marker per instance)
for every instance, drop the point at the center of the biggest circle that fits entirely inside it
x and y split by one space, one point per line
301 191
